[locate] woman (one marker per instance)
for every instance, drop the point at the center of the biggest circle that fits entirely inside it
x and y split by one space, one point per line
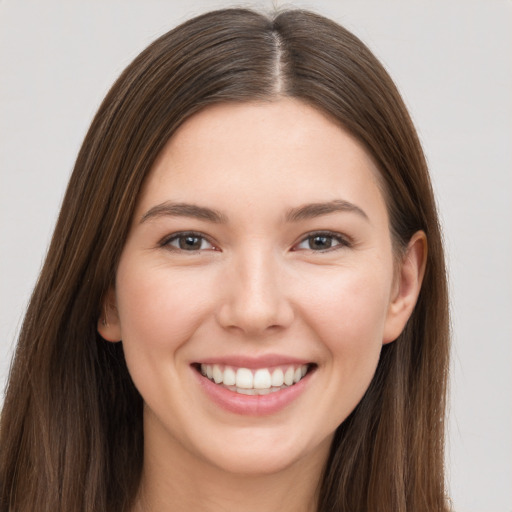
251 214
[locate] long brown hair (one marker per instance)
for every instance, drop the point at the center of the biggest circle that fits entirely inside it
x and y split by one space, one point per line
71 428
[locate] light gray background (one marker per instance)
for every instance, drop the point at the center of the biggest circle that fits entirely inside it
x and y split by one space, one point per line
453 64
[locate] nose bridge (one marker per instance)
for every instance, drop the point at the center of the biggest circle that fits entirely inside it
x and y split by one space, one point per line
256 300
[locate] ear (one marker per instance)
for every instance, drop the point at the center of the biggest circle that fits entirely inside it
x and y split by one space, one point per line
109 325
407 286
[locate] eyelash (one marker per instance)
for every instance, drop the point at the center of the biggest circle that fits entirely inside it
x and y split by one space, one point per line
166 242
341 241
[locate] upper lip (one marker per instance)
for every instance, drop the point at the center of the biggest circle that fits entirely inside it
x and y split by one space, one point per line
251 362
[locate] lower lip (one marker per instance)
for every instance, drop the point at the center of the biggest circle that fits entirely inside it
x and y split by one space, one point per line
252 405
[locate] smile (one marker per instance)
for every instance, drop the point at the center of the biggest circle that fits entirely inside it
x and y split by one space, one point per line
259 381
254 386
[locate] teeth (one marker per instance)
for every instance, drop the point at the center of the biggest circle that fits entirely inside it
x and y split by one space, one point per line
245 391
229 377
277 378
254 382
288 376
262 379
217 374
244 378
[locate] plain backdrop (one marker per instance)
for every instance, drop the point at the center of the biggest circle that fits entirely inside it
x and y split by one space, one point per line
453 64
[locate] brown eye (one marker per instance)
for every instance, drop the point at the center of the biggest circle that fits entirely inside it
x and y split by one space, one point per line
188 242
321 242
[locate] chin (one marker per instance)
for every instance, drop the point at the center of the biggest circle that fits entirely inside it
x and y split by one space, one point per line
259 454
256 464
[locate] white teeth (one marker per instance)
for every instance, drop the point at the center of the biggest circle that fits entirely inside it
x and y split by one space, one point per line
255 391
262 379
254 382
277 378
229 377
245 391
217 374
288 376
244 378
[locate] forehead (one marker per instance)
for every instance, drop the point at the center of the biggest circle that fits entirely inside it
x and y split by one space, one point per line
283 152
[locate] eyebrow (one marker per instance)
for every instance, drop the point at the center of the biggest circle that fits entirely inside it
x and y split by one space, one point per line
304 212
184 210
310 211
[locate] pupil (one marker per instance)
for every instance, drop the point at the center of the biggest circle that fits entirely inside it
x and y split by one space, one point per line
320 242
189 243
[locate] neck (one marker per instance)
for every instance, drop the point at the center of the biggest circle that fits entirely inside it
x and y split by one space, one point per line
175 480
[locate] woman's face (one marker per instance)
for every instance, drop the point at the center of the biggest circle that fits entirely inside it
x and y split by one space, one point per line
256 287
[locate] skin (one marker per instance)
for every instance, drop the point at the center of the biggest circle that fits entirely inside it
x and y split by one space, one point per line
256 284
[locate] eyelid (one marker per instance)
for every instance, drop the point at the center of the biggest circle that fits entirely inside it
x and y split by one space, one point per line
343 241
165 241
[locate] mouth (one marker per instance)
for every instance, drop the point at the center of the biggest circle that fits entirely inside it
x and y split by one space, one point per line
254 381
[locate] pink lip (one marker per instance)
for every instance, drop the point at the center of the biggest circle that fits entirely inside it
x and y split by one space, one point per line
253 363
251 405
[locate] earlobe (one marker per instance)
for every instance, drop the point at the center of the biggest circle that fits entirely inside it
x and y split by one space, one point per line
407 288
109 326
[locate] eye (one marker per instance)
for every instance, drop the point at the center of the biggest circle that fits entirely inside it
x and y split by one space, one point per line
322 242
188 242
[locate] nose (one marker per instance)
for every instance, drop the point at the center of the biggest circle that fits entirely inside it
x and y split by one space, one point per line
254 299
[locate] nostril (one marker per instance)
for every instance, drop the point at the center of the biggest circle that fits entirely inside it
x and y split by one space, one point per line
255 317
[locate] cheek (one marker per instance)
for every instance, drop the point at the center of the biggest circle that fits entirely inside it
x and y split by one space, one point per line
159 310
349 302
347 313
